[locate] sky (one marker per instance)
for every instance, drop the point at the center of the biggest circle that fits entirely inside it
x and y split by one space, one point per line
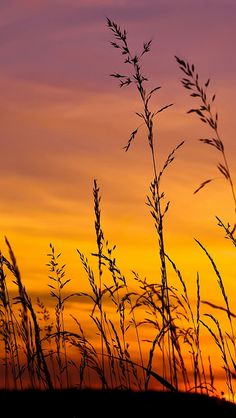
64 122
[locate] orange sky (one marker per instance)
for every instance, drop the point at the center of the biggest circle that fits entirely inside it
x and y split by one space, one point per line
64 122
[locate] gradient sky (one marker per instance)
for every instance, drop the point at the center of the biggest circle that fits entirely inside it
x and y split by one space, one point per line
64 122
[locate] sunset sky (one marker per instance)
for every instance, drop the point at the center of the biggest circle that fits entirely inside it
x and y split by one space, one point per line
64 122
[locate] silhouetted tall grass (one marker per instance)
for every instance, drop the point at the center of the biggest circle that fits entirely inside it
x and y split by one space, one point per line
146 333
209 117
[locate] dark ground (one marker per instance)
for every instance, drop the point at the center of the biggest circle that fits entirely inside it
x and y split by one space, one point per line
91 403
